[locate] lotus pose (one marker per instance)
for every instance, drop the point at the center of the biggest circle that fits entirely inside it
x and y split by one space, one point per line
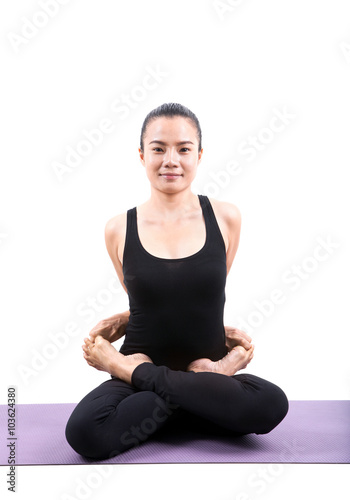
178 362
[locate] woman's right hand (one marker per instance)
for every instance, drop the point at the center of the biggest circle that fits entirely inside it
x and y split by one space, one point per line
112 328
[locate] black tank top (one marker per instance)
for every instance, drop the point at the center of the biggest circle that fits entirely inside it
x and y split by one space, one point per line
176 305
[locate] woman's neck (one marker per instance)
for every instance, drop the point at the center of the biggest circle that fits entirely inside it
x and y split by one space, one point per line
170 205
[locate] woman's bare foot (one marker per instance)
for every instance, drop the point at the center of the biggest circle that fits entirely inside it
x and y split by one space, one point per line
237 359
103 356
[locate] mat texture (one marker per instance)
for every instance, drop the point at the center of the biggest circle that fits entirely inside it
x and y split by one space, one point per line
312 432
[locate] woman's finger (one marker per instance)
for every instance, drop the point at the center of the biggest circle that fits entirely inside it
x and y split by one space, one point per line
245 335
246 344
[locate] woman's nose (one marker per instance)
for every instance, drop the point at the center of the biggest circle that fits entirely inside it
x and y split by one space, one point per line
171 157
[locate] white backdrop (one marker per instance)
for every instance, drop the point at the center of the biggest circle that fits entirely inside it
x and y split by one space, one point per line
269 82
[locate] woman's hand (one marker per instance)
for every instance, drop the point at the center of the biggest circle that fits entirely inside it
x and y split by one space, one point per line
235 337
112 328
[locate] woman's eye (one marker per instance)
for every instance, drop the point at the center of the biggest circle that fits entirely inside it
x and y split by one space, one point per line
157 150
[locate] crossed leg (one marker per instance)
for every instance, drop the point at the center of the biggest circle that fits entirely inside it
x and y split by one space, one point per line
114 417
126 410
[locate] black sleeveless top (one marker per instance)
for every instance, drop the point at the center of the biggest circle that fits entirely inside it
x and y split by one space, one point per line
176 305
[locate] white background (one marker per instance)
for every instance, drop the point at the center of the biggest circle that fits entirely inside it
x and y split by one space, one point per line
235 71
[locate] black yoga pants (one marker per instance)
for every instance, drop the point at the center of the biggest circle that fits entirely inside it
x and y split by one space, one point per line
117 416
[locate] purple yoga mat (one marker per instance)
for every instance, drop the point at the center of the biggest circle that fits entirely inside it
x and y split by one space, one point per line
312 432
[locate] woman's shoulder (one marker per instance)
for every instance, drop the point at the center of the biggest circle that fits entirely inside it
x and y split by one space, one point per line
115 231
115 228
226 211
228 217
116 221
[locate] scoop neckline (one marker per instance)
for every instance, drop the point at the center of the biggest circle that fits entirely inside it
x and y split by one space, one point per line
179 258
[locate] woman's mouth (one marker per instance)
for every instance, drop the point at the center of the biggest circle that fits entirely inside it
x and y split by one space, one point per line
170 176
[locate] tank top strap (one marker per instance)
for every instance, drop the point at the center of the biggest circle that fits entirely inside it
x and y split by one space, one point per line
131 221
214 233
130 244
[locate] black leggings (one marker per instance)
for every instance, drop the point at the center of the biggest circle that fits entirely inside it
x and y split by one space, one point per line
117 416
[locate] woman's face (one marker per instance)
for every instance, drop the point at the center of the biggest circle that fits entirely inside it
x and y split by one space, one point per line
170 154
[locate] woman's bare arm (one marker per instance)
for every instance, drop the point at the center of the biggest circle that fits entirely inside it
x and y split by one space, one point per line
230 220
113 328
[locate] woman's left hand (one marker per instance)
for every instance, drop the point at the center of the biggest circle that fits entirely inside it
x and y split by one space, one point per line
235 337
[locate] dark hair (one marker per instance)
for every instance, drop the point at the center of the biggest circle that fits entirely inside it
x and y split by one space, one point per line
170 110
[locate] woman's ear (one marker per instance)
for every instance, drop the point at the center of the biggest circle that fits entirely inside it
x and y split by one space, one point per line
200 155
141 157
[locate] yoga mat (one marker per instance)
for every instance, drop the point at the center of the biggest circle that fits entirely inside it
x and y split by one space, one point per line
312 432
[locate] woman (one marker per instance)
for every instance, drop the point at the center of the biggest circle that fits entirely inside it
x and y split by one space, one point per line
178 362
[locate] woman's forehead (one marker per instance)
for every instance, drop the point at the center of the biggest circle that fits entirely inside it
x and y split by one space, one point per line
171 126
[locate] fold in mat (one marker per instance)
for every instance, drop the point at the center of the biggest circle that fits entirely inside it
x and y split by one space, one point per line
312 432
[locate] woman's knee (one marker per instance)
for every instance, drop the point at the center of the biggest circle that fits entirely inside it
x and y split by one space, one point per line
276 408
103 431
86 427
270 402
74 432
81 434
